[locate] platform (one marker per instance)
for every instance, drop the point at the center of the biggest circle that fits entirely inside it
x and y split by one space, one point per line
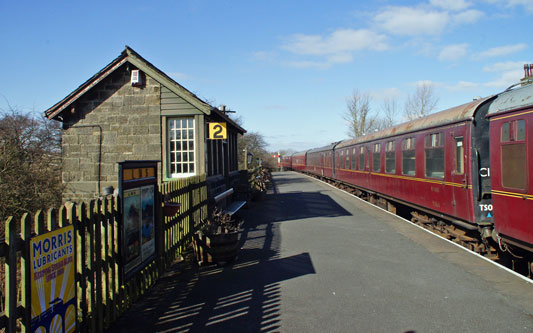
316 259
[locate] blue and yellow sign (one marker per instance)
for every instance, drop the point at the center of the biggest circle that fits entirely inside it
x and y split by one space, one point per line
53 293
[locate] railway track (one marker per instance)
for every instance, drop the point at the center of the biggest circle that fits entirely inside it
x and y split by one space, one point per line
470 240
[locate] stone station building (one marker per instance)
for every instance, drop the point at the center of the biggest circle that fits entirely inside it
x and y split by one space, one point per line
130 110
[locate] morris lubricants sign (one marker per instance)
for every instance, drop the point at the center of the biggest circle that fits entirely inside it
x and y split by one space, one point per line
53 293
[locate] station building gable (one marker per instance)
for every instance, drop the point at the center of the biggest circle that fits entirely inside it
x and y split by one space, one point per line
130 110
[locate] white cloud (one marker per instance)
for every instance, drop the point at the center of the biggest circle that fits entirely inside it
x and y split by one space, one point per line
308 64
453 52
264 55
412 21
502 50
528 4
506 79
510 72
451 4
464 85
340 42
178 76
468 17
335 48
340 58
426 83
506 74
386 93
504 66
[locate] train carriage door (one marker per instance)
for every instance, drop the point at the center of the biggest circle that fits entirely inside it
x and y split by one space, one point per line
457 154
367 165
322 156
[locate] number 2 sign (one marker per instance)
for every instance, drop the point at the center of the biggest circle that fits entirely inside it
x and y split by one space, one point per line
217 131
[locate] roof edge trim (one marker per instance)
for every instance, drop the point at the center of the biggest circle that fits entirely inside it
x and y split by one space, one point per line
88 85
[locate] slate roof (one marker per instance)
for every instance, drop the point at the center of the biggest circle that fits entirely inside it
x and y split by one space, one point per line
129 55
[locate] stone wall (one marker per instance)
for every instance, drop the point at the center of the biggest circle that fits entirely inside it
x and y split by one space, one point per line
111 123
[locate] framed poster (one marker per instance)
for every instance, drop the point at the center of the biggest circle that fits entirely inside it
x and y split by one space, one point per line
137 188
132 228
147 223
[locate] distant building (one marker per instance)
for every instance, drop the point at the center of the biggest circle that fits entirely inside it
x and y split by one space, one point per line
130 110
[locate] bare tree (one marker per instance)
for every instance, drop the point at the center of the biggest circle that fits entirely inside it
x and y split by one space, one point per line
389 112
285 152
255 144
30 167
421 103
360 120
236 118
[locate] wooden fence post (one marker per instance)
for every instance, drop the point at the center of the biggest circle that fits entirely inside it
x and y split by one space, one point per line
190 213
159 224
97 267
78 214
39 223
11 276
90 263
115 258
105 257
25 232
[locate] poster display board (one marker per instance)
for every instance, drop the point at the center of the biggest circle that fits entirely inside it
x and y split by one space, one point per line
53 292
137 187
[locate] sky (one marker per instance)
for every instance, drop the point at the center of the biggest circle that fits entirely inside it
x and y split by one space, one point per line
286 67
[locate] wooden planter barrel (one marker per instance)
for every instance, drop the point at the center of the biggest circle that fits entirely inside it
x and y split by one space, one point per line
219 248
171 208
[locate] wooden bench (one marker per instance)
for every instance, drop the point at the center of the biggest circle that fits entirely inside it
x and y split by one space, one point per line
232 208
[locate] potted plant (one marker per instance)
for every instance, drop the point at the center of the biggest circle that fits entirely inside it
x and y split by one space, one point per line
259 180
170 208
217 240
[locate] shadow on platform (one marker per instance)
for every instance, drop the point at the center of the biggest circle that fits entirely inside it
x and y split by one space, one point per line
288 206
242 297
285 179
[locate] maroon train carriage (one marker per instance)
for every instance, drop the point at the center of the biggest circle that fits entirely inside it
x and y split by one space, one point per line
320 161
471 165
430 163
511 147
299 161
286 162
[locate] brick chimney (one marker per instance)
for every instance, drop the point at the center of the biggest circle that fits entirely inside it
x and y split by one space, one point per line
528 74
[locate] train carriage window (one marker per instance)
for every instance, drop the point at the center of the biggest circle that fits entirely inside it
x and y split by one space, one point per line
342 159
390 157
505 132
354 160
408 157
521 130
435 155
459 155
376 158
347 159
361 158
513 155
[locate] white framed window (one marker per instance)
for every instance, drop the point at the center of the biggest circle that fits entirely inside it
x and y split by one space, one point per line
390 157
408 157
434 148
376 158
361 158
181 147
